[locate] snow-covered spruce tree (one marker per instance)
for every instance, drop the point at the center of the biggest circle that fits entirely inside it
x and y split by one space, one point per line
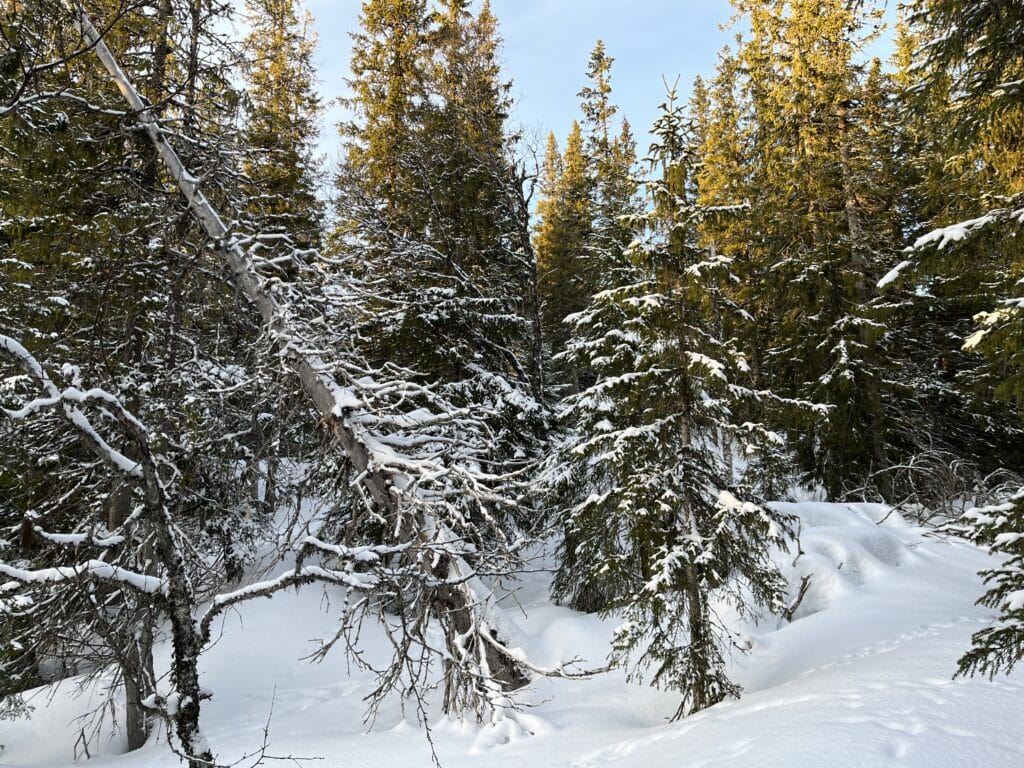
281 112
657 519
999 647
563 236
951 432
612 160
579 237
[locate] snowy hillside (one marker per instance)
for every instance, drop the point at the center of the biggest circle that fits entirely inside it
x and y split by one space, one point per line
861 677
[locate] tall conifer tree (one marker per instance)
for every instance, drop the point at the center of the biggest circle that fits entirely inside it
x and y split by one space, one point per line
816 258
562 235
973 61
433 223
580 237
655 519
281 121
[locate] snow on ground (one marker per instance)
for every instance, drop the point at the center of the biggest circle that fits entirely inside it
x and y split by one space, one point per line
861 678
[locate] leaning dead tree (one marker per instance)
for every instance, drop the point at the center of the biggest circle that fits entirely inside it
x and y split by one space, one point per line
436 518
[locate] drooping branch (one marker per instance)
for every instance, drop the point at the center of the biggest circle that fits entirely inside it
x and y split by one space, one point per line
14 351
94 568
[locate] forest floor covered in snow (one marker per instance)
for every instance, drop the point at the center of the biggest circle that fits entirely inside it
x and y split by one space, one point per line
863 676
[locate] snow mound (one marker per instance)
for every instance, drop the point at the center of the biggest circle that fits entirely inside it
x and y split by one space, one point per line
862 677
843 548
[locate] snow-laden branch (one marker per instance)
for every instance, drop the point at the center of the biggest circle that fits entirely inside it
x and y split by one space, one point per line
300 576
80 539
954 233
14 351
943 237
92 568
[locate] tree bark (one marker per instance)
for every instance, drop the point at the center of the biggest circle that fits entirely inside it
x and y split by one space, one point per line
137 675
858 263
28 537
137 663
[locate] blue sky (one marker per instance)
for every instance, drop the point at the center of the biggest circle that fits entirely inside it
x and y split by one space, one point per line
547 44
546 47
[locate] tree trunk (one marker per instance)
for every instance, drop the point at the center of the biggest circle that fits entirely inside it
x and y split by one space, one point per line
138 677
186 636
858 263
137 662
119 506
270 490
136 726
702 694
28 537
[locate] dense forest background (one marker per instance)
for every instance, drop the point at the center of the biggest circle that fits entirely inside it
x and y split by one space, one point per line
809 283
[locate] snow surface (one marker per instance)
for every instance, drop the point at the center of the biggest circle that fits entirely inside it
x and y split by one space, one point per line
861 677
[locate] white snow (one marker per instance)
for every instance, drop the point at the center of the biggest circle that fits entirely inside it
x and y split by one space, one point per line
78 539
344 399
95 568
54 396
893 274
861 678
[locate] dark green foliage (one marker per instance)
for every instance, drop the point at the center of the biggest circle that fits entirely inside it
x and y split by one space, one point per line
281 115
106 279
581 232
980 44
998 648
969 258
654 518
